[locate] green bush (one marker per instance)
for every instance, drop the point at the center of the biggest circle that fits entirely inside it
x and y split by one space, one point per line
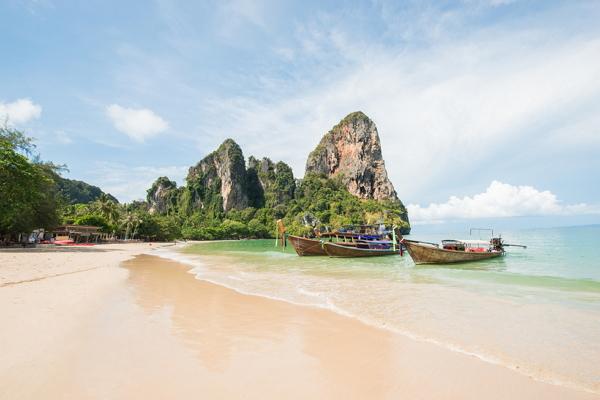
94 220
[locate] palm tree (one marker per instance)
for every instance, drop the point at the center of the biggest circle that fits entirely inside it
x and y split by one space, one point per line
138 221
107 208
112 212
131 222
127 222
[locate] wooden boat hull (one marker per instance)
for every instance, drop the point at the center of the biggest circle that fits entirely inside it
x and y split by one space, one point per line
340 250
428 254
306 247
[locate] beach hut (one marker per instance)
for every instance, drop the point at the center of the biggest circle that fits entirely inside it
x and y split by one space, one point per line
78 233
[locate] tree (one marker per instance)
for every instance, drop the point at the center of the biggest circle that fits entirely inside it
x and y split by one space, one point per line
16 139
257 229
107 208
130 221
28 195
94 220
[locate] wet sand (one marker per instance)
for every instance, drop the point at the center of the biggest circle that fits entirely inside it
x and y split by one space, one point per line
149 329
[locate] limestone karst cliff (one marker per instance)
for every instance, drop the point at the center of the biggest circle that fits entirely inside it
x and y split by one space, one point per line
351 150
221 181
271 182
162 196
346 182
220 177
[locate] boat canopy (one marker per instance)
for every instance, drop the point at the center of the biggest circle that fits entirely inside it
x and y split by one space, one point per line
469 242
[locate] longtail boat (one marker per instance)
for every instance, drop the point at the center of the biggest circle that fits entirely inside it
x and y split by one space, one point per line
306 247
455 251
314 246
347 239
365 249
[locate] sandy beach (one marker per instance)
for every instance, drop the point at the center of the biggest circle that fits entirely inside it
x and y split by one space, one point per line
116 321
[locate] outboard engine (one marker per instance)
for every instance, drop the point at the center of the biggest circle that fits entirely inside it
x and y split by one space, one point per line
497 244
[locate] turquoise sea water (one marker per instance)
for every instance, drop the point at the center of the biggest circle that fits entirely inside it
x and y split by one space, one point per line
536 310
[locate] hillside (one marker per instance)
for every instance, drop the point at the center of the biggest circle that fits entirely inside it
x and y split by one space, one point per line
345 183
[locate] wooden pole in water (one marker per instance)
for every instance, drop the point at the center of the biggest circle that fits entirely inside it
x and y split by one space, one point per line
280 232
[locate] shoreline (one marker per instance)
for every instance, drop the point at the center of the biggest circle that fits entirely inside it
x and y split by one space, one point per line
559 381
166 300
22 265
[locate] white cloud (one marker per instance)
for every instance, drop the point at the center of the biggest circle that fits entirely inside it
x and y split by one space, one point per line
498 201
452 104
137 123
20 111
459 89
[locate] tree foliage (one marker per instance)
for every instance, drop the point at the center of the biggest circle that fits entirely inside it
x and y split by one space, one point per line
74 191
315 202
28 195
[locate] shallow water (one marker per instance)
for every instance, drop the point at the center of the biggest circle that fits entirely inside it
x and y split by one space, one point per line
536 310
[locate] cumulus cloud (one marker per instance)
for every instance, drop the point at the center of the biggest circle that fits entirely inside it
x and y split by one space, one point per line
498 201
20 111
137 123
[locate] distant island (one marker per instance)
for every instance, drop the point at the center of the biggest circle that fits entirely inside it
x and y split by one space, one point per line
225 196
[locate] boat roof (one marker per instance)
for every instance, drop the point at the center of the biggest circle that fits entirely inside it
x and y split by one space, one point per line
467 241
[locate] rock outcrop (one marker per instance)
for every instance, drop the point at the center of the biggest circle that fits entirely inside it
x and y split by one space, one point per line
220 177
265 170
276 181
351 151
162 195
345 167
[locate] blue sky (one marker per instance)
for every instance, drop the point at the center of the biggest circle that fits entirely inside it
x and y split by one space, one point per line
488 106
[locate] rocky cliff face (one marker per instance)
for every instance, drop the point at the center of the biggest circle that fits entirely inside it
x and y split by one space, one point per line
265 170
351 150
276 181
221 182
162 195
220 178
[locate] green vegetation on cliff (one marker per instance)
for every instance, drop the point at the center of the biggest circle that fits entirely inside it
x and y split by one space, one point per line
74 191
315 202
222 198
327 202
218 182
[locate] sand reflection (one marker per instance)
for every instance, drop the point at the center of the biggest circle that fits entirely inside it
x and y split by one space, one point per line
229 332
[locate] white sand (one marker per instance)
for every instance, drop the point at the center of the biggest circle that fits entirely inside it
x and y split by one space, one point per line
76 325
